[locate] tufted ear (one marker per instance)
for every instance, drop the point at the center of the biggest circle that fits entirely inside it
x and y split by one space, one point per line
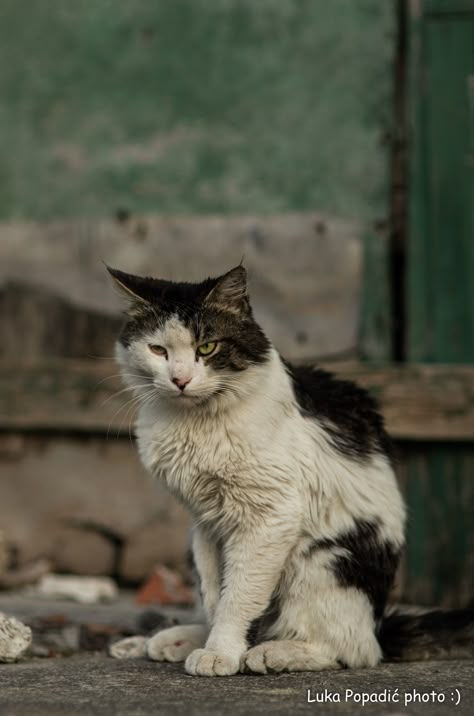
230 291
134 288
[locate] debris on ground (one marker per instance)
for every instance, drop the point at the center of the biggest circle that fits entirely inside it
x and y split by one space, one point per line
54 635
97 637
86 590
60 628
15 638
165 587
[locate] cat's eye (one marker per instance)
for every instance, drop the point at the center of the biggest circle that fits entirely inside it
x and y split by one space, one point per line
205 349
158 350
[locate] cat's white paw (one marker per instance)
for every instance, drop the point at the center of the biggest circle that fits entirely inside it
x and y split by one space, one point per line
175 643
206 662
267 657
288 655
134 647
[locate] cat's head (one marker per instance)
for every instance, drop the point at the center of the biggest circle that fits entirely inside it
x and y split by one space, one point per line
189 342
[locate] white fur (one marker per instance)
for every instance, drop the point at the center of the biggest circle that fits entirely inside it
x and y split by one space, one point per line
207 561
261 481
133 647
289 656
176 643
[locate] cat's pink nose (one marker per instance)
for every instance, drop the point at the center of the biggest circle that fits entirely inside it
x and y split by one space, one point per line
181 382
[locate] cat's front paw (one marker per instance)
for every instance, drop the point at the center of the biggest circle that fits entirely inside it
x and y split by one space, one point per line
206 662
134 647
176 643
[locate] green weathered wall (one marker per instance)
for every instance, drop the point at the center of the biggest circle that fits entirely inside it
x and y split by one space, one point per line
194 106
440 289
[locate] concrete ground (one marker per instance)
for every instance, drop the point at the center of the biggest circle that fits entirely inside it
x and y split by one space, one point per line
101 686
96 685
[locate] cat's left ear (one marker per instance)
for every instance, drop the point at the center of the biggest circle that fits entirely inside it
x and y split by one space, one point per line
230 291
134 288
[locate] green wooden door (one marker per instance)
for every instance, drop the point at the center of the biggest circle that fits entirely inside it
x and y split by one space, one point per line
440 300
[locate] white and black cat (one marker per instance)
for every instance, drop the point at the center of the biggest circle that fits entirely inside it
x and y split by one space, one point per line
286 471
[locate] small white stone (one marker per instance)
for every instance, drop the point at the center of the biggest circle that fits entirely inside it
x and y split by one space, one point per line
86 590
15 638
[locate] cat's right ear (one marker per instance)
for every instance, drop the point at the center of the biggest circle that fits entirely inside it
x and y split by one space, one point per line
230 291
133 288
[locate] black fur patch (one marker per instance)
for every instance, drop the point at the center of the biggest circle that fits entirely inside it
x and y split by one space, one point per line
437 634
347 412
242 341
168 294
369 565
256 632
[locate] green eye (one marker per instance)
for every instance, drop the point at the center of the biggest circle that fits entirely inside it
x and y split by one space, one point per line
205 349
158 350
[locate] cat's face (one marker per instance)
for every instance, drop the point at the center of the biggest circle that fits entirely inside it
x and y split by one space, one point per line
189 342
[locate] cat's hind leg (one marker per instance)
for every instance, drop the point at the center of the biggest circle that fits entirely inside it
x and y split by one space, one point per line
319 623
288 655
176 643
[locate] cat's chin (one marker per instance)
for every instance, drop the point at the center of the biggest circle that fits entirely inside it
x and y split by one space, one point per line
190 398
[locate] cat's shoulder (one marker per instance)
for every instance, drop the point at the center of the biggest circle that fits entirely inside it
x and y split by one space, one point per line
346 410
320 392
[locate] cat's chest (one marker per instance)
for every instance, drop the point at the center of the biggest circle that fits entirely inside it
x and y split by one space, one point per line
181 452
221 471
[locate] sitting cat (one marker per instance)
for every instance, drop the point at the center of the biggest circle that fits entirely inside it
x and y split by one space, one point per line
286 471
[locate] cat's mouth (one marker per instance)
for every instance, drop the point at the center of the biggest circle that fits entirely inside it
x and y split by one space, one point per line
190 398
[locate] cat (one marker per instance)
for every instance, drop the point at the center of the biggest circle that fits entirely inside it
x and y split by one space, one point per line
298 522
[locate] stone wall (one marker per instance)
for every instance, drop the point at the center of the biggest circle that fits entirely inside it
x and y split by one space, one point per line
87 505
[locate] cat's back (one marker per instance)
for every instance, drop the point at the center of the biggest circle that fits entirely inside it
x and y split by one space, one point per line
347 412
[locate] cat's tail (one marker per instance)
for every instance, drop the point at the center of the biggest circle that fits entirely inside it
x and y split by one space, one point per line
419 634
